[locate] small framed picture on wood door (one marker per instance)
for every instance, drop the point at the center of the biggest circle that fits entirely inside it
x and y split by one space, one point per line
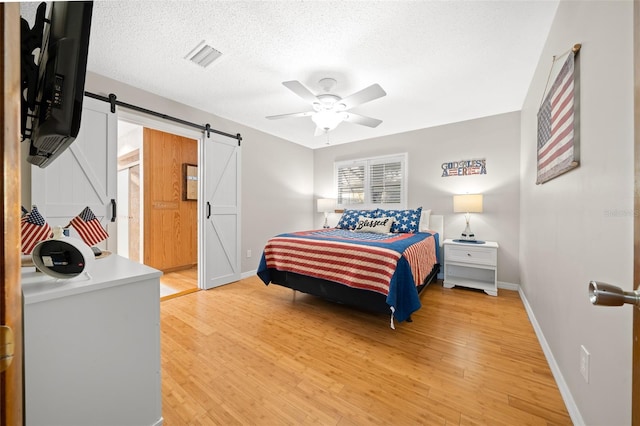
190 186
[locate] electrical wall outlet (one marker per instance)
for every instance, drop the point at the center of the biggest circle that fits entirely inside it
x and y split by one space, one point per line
584 363
248 253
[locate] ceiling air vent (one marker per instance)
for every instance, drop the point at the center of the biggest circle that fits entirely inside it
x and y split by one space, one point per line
203 54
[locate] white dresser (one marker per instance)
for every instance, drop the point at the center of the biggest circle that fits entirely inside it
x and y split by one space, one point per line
471 265
92 346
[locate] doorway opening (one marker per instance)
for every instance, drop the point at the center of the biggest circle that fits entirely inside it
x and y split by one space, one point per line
157 224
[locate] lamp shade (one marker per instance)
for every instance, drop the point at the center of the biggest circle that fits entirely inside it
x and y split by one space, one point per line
467 203
326 205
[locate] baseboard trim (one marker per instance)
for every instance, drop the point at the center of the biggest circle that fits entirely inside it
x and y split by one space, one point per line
247 274
508 286
572 408
179 268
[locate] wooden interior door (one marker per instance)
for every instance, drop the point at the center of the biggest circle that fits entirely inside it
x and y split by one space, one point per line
635 388
170 223
11 383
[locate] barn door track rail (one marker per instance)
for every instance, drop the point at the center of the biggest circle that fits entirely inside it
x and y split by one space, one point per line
112 99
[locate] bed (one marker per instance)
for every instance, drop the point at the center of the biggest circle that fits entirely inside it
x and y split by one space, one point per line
383 272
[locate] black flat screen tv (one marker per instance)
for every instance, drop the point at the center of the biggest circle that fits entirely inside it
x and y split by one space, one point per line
53 87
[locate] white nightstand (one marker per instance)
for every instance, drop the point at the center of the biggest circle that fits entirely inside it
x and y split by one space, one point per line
471 265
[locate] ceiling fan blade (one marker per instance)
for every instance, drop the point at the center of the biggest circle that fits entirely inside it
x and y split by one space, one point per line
365 95
361 119
295 114
296 87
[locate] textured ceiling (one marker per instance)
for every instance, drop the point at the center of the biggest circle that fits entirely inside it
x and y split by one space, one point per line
439 61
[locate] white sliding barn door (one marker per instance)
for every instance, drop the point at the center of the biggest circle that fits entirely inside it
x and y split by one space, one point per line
84 175
219 211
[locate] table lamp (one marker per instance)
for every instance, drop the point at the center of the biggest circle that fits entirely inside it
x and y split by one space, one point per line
326 205
467 204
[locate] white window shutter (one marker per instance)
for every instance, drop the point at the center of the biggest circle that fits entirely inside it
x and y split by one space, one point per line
385 183
351 184
372 182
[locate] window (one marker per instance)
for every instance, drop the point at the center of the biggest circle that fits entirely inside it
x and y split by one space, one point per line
372 182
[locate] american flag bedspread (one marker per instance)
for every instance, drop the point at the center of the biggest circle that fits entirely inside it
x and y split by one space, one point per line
390 264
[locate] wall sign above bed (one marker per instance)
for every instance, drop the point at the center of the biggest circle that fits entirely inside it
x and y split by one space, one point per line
465 168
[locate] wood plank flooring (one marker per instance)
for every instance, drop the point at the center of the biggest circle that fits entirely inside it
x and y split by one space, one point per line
251 354
183 282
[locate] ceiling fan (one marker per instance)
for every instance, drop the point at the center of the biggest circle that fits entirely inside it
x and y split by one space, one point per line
330 110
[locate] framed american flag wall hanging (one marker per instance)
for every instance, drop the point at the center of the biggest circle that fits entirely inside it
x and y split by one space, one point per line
558 139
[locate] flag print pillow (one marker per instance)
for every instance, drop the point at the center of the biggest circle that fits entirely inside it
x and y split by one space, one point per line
350 218
407 221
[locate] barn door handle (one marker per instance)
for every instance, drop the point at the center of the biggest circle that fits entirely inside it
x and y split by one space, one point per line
114 210
208 210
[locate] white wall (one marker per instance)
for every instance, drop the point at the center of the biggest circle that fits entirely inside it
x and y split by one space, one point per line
277 191
579 226
495 139
277 175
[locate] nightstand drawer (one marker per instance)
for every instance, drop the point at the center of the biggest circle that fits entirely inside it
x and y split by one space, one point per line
477 255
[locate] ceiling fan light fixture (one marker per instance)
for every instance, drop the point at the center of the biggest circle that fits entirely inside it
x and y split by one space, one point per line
329 120
329 110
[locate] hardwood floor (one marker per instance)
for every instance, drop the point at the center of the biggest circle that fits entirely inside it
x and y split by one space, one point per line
181 282
247 353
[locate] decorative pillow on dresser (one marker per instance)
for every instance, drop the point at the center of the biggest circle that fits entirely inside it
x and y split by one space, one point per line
407 221
350 218
379 225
